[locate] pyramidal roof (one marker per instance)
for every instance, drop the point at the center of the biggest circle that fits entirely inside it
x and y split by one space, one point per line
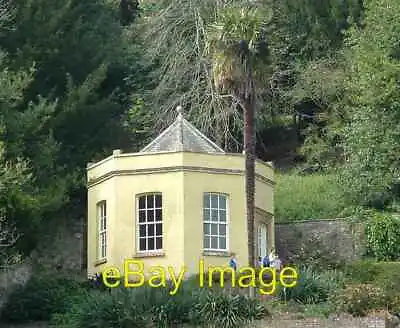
182 136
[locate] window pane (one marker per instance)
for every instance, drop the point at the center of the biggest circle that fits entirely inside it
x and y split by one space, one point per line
214 215
222 216
206 214
222 229
151 243
142 244
206 200
159 229
222 202
207 242
104 223
206 228
150 230
150 201
150 215
158 243
214 201
142 216
159 215
158 201
214 242
222 243
104 209
142 230
214 229
142 202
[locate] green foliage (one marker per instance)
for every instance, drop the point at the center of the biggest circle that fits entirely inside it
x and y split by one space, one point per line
383 237
63 66
304 197
139 307
320 84
315 28
42 296
98 309
371 138
359 299
370 286
236 24
383 274
312 287
223 310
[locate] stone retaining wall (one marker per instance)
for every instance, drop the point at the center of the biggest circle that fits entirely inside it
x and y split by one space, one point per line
338 239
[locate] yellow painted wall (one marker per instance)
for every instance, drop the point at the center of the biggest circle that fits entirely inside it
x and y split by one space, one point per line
182 193
122 219
195 185
104 191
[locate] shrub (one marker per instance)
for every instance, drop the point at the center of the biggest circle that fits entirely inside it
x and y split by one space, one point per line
383 237
312 287
304 197
39 298
373 286
138 307
104 310
385 275
224 310
362 272
359 299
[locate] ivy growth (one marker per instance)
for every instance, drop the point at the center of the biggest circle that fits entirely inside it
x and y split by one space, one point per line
383 237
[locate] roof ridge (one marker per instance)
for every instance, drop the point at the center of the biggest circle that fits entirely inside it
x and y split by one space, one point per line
202 135
175 138
163 133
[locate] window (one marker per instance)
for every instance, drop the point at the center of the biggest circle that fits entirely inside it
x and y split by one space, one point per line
102 230
262 240
149 218
215 226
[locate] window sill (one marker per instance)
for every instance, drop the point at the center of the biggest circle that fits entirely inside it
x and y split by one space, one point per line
99 262
149 254
217 253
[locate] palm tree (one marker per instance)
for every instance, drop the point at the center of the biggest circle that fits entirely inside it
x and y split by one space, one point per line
239 56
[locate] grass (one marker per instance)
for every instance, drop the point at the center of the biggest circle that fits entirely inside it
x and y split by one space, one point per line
307 197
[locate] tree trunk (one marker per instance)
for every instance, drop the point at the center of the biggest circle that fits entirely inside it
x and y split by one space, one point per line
249 148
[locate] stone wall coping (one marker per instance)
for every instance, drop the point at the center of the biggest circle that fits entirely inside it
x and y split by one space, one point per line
311 221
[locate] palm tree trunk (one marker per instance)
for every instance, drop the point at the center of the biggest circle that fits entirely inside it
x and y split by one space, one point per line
249 148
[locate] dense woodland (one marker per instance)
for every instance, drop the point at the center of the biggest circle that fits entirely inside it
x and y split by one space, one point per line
81 78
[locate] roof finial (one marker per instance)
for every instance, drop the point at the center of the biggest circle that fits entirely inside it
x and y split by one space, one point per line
179 110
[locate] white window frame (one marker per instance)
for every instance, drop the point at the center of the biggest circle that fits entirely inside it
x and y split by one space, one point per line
260 227
209 222
147 223
101 230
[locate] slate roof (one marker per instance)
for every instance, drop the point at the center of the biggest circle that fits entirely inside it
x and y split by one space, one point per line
182 136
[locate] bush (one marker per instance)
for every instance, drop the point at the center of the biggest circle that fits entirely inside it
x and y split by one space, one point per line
39 298
98 309
383 237
304 197
359 299
224 310
138 307
372 286
312 287
385 275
